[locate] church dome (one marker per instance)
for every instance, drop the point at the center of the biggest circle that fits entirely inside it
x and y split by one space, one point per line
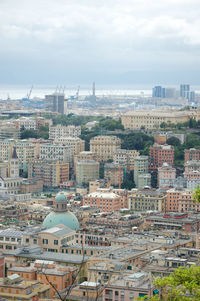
67 219
61 198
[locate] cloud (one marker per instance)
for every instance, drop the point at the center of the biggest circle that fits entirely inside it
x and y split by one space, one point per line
99 35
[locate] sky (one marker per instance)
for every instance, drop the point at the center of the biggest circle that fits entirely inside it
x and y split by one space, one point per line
110 41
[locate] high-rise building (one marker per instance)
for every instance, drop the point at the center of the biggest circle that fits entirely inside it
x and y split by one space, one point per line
140 167
55 102
184 90
158 91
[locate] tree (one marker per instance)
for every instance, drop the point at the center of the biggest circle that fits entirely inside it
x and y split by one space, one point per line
182 285
173 141
196 195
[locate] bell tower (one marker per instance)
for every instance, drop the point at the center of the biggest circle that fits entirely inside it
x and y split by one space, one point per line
14 165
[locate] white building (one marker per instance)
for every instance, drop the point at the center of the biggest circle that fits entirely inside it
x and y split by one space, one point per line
59 131
56 151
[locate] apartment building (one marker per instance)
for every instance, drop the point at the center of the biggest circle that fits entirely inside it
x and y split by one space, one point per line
192 154
8 130
144 180
187 204
53 173
160 154
172 201
60 131
105 146
105 201
141 166
15 288
76 144
56 151
59 275
32 123
125 157
87 171
149 120
114 174
147 199
165 174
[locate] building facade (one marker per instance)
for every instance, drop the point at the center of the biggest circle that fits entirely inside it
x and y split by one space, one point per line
160 154
87 171
141 166
125 157
61 131
105 146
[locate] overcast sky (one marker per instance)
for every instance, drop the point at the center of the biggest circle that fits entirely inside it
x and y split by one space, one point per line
110 41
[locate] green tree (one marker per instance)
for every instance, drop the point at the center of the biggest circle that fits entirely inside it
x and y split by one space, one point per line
173 141
25 134
196 195
182 285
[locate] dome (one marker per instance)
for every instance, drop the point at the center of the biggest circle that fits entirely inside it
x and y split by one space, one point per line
60 197
67 219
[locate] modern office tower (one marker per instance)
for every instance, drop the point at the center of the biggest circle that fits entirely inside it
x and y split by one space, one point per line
87 171
158 91
141 166
191 96
184 90
160 154
170 93
55 103
186 93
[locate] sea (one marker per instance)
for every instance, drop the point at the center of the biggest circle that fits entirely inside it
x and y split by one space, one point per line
21 91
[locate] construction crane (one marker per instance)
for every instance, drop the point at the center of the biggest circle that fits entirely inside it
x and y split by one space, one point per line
29 94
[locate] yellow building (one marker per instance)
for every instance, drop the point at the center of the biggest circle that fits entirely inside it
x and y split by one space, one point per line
14 288
105 146
77 145
152 119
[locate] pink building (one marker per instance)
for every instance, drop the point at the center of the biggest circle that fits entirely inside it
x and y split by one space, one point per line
129 288
192 154
106 201
165 174
159 154
2 266
172 202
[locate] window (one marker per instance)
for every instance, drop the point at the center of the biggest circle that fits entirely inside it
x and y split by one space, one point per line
56 242
45 241
35 241
27 240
